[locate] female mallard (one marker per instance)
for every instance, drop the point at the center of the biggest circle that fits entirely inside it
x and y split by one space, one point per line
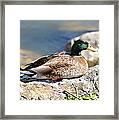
61 65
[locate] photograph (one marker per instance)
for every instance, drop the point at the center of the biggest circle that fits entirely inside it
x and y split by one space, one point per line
59 60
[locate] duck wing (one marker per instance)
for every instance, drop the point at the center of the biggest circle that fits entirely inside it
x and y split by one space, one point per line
38 62
67 66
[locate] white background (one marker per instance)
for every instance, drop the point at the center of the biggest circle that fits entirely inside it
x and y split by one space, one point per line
13 15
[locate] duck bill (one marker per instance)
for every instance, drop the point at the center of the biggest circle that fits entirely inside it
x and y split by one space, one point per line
91 49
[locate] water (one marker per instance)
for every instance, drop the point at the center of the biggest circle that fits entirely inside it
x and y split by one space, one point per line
48 37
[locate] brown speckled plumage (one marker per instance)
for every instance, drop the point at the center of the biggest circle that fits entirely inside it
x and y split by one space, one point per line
66 66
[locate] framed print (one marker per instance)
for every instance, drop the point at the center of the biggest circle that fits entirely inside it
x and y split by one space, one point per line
59 60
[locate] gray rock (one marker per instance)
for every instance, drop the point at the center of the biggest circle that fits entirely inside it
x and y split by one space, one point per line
92 38
91 57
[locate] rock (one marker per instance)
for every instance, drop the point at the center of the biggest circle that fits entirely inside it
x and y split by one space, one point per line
87 85
38 91
91 57
90 80
92 38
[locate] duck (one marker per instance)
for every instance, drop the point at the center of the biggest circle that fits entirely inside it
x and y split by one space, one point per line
61 65
91 55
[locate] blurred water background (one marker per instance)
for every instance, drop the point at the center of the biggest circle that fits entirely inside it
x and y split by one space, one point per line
46 37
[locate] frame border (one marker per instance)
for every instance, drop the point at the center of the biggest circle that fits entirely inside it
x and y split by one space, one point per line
2 58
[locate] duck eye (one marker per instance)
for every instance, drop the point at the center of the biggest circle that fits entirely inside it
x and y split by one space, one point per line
89 45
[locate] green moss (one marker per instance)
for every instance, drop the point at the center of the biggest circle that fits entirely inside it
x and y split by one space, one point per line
91 96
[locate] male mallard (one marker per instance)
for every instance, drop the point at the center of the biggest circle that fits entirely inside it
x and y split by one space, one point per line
61 65
80 45
91 55
91 37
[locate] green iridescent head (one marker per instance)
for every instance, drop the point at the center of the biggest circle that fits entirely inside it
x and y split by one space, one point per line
78 46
